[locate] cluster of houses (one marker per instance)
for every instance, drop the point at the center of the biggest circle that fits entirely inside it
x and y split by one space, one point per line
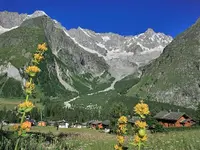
94 124
165 118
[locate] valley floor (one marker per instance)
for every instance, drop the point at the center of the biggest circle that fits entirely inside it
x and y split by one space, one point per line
89 139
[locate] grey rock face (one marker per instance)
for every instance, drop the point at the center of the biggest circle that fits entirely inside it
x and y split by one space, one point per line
70 53
129 50
11 19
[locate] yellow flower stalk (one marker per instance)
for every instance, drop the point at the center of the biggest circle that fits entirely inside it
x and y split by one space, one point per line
121 131
142 110
27 105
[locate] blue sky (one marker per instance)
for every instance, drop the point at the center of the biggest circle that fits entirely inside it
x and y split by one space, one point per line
126 17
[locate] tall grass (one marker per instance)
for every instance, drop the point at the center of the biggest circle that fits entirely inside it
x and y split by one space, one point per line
86 139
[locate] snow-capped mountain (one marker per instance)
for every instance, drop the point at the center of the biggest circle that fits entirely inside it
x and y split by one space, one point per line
122 52
79 52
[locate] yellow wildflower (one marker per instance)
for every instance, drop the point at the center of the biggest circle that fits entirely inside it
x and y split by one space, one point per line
144 138
38 57
141 124
26 126
136 139
42 47
117 147
122 119
32 70
26 104
142 109
29 85
120 139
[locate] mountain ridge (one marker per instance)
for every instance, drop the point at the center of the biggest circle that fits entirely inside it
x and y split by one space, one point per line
174 76
76 63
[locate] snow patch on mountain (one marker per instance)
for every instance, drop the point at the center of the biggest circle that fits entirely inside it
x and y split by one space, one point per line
37 13
101 45
105 38
3 30
143 47
159 49
85 48
84 32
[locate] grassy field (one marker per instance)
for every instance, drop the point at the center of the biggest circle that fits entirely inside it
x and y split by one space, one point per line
12 103
89 139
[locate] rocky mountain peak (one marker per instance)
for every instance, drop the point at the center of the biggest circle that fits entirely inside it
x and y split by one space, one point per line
38 13
150 31
80 52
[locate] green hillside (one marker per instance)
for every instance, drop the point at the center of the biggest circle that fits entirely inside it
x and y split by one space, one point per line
174 76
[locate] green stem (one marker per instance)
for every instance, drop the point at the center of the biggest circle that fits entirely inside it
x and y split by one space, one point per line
17 143
22 120
27 95
139 146
30 80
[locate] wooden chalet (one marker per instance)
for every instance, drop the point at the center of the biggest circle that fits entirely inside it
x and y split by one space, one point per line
174 119
96 124
41 123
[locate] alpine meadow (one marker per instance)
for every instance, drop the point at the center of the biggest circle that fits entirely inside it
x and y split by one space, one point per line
79 89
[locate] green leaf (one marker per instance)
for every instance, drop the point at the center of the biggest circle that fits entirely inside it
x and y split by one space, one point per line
28 109
24 135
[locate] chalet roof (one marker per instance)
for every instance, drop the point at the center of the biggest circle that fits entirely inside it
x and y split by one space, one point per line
165 115
96 122
106 122
91 121
84 124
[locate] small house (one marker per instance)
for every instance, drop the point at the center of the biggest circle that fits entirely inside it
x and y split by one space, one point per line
96 124
84 125
77 125
63 124
51 123
41 123
174 119
106 124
